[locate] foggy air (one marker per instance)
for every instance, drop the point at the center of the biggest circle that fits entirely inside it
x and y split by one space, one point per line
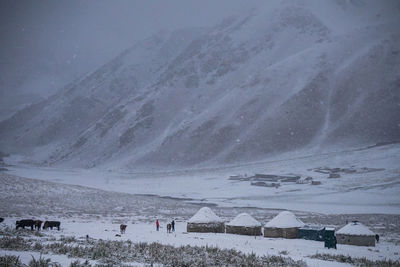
268 128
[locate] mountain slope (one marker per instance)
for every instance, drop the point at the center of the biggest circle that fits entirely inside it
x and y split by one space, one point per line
281 77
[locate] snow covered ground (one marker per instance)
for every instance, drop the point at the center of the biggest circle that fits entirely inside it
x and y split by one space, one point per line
145 232
95 202
369 182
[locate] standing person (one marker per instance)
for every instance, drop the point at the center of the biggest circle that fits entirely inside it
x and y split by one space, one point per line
173 225
157 225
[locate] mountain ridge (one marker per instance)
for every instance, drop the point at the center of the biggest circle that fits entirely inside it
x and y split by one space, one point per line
269 81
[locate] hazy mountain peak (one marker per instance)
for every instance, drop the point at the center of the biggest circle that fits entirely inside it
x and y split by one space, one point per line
277 78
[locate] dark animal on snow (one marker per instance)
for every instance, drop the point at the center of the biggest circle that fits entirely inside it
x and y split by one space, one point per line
38 224
377 238
169 228
51 224
23 223
1 220
122 228
118 235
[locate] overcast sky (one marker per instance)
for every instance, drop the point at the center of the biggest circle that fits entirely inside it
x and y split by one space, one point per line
47 43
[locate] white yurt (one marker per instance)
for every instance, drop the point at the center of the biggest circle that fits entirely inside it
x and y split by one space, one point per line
285 225
244 224
206 221
355 233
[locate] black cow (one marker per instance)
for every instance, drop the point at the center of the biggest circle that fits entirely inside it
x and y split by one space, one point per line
38 224
1 220
23 223
51 224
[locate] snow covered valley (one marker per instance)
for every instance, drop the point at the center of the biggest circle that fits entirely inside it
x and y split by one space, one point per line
282 107
95 202
367 181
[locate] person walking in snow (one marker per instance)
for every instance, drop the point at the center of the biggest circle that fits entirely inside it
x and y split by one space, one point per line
173 225
157 225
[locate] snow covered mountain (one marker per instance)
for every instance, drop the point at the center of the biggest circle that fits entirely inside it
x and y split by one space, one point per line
283 76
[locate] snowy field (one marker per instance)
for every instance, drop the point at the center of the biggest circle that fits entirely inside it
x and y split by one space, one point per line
369 182
96 202
297 249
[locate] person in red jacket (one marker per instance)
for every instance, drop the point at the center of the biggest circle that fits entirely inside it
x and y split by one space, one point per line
157 224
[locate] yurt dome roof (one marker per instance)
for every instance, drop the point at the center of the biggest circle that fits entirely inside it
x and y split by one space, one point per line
355 228
244 219
205 215
285 219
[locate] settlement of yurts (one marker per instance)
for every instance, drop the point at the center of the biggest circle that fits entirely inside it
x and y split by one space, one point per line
283 225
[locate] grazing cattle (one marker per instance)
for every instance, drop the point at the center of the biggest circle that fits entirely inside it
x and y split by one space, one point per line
1 220
38 224
169 228
23 223
51 224
122 227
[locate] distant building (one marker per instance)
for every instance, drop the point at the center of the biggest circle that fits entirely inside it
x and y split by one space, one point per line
206 221
244 224
285 225
355 233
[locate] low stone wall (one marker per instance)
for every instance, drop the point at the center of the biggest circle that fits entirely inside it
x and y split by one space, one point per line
281 232
206 227
242 230
356 240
